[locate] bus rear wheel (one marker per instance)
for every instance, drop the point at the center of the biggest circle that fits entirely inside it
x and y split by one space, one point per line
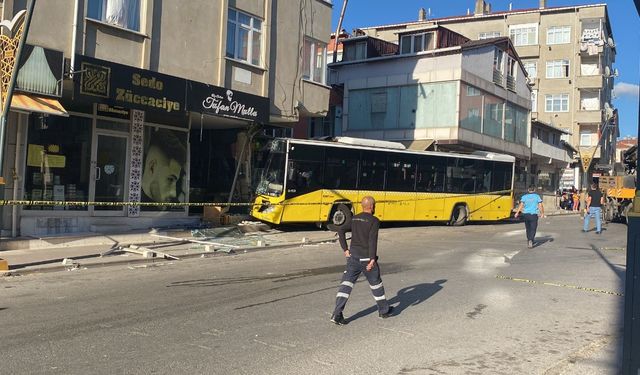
341 216
459 216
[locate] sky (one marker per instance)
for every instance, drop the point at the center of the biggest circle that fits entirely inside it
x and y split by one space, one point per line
622 15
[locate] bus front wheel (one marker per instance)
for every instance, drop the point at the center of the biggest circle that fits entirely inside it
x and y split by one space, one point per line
459 216
341 216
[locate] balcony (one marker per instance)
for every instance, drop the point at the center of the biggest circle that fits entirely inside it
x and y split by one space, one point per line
528 51
511 83
584 116
497 77
546 150
589 81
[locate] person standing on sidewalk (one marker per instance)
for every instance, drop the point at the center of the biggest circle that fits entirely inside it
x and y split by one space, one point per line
593 206
531 206
361 257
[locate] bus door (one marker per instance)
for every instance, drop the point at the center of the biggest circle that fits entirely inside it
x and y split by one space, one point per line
304 183
430 185
502 201
340 178
371 178
400 195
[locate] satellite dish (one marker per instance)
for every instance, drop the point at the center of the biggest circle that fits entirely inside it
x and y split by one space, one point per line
611 43
607 71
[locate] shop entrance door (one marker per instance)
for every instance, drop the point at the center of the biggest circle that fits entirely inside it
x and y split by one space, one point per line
110 169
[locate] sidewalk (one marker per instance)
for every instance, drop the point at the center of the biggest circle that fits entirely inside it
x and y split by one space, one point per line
29 255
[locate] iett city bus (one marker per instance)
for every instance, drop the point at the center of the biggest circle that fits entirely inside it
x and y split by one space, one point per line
310 181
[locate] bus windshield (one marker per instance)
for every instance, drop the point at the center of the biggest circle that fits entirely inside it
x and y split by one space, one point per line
272 180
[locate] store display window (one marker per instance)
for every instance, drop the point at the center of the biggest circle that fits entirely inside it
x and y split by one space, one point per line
58 161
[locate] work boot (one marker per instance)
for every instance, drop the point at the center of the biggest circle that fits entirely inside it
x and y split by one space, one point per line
388 314
338 319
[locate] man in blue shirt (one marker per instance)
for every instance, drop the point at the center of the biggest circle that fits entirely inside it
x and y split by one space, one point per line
531 207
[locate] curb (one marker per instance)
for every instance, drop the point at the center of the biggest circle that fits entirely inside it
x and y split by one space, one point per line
204 254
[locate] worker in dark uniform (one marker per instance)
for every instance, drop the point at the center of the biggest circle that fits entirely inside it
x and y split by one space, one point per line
361 257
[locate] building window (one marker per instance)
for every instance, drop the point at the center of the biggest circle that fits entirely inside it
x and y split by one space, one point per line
416 43
532 68
559 35
488 35
524 35
244 37
588 138
498 68
511 73
361 50
314 57
557 103
493 116
589 100
471 109
472 91
590 66
121 13
558 69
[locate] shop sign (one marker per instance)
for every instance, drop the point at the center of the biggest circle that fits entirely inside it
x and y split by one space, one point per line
111 111
124 86
220 101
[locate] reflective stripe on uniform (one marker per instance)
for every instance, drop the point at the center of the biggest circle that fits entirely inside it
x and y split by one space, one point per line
343 295
365 259
348 283
378 298
374 287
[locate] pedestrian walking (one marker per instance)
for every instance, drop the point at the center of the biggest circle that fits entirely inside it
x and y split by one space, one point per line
593 207
531 206
361 258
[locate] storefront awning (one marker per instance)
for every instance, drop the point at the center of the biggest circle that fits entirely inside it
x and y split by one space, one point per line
39 104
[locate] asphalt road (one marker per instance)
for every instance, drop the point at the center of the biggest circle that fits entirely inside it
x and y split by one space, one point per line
469 300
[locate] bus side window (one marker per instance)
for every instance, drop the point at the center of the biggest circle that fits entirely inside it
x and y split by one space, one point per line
372 171
401 174
341 168
305 169
431 174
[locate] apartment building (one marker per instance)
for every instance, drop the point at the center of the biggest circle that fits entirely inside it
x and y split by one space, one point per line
434 89
568 53
153 101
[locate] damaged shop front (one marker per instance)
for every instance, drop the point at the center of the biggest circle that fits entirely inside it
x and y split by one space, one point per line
124 134
225 139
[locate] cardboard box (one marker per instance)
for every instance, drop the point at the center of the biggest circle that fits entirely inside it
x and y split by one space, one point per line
212 214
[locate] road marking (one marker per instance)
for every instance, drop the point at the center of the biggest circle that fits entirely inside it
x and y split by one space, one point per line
560 285
398 331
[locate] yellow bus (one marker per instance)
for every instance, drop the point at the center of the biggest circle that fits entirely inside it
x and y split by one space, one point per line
310 181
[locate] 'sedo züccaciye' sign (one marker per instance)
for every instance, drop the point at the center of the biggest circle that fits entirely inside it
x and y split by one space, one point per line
122 85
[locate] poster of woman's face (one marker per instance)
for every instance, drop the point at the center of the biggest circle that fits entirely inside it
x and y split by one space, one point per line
164 166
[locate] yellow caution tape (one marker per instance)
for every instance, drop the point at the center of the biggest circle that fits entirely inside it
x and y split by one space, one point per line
10 202
560 285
